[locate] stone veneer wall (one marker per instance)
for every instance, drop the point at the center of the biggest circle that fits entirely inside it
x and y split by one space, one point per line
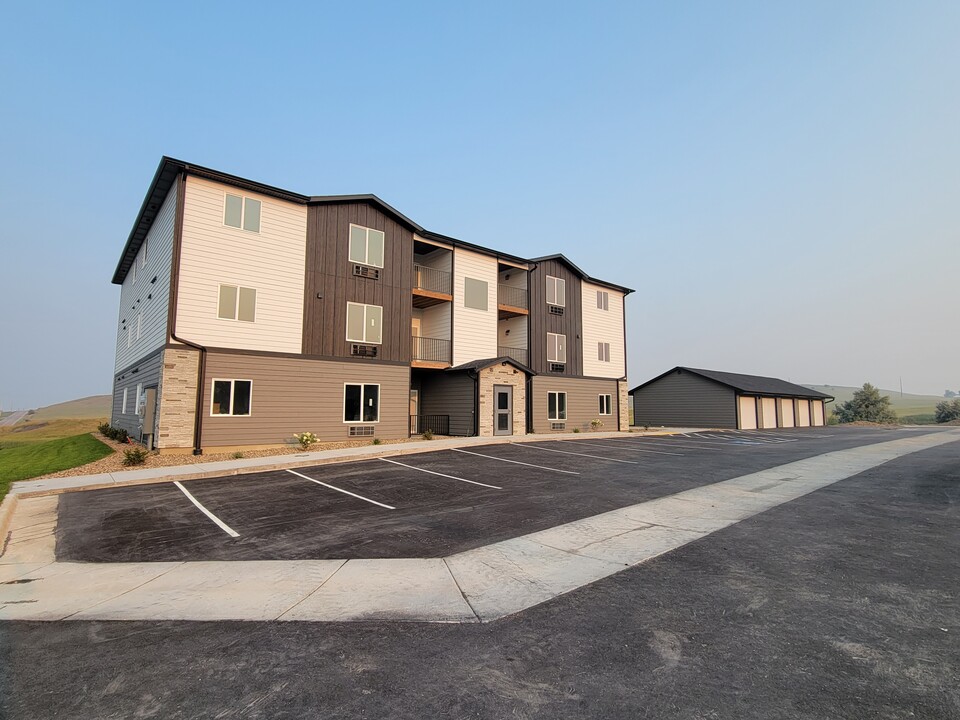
624 400
178 400
502 375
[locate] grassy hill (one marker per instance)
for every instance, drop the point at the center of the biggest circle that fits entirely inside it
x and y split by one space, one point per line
912 407
95 406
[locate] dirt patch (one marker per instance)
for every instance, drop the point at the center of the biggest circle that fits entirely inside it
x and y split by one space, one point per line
28 428
867 423
954 423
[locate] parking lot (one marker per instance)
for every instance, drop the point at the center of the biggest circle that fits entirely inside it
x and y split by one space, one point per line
421 505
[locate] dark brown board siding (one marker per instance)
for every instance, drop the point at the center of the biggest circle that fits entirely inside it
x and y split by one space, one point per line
685 400
543 321
292 396
329 273
583 402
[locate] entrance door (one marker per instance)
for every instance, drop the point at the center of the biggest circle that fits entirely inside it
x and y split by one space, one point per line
503 410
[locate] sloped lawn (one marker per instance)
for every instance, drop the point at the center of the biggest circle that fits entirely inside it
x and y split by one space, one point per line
28 461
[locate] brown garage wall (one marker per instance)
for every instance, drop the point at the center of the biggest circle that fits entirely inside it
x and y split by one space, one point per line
582 403
292 395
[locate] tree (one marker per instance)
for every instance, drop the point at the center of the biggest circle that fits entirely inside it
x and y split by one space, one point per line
947 410
867 404
949 393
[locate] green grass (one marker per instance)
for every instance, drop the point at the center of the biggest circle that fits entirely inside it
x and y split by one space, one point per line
904 406
27 461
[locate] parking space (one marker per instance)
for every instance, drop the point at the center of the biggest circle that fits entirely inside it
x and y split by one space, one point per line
422 505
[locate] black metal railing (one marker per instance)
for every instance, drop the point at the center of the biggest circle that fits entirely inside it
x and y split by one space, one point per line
428 278
512 296
431 349
437 424
518 354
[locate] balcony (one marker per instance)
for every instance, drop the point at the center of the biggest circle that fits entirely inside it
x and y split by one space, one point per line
431 286
430 352
518 354
511 301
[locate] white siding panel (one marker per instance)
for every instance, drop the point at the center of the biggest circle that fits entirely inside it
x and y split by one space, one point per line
475 330
602 326
144 296
436 321
271 261
518 332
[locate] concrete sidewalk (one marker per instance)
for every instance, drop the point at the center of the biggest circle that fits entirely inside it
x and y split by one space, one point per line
478 585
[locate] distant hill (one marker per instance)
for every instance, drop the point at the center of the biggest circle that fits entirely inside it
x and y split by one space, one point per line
906 405
95 406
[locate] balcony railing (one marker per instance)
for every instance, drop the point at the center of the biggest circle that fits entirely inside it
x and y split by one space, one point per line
431 279
431 349
437 424
518 354
512 296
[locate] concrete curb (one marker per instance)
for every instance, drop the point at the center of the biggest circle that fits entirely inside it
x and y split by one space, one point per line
7 508
232 468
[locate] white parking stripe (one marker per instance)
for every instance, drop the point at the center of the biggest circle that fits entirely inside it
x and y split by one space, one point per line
529 446
687 442
341 490
515 462
222 525
628 446
472 482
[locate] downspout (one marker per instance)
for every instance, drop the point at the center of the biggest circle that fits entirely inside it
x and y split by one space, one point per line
475 376
172 317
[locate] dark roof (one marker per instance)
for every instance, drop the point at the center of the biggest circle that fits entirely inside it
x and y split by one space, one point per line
750 384
170 168
481 364
564 259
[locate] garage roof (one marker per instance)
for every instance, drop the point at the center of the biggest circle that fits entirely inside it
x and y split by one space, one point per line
750 384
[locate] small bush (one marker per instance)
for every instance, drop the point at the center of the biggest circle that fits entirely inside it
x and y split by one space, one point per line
306 439
947 410
237 455
104 429
596 424
427 434
646 426
576 430
121 436
376 441
135 456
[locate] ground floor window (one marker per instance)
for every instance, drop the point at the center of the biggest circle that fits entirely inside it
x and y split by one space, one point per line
231 397
606 405
556 406
361 403
123 406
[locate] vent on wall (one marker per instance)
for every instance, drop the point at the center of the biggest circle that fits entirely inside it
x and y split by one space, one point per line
557 367
558 426
556 310
366 272
369 351
361 430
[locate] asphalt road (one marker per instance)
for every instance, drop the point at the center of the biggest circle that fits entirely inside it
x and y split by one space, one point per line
14 417
842 604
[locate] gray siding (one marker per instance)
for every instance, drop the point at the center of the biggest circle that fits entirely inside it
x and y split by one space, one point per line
452 394
684 399
145 372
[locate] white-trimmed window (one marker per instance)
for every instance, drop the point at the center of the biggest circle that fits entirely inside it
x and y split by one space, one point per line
133 270
139 401
603 300
130 335
361 403
556 291
123 405
139 325
241 212
556 348
603 352
366 246
231 397
143 254
556 406
606 404
237 303
364 323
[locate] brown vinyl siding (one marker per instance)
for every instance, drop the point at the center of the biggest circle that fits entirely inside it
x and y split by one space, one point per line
583 404
145 372
542 321
329 273
682 399
293 395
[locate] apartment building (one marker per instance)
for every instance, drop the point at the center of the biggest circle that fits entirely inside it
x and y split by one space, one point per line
249 313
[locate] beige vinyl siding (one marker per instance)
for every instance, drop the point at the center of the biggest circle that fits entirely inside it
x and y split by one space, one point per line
513 277
803 413
583 403
518 332
271 262
786 413
293 395
817 412
475 331
602 326
435 321
146 297
769 412
748 412
439 259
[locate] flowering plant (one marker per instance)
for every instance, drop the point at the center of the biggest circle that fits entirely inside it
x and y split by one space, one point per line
306 439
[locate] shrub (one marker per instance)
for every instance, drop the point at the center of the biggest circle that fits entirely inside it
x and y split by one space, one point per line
576 430
376 441
121 436
596 424
868 405
832 419
947 410
135 456
306 439
427 434
104 429
646 426
237 455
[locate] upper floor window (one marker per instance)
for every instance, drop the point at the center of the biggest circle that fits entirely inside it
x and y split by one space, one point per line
364 323
130 335
241 212
603 300
139 325
133 269
556 348
143 254
603 352
237 303
475 293
556 291
366 246
231 397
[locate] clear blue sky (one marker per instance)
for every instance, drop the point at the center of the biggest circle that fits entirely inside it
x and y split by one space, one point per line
781 184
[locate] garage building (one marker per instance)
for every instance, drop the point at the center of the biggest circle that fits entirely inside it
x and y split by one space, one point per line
689 397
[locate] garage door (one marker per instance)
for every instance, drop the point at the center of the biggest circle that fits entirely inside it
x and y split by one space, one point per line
786 412
817 412
748 413
768 408
803 413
